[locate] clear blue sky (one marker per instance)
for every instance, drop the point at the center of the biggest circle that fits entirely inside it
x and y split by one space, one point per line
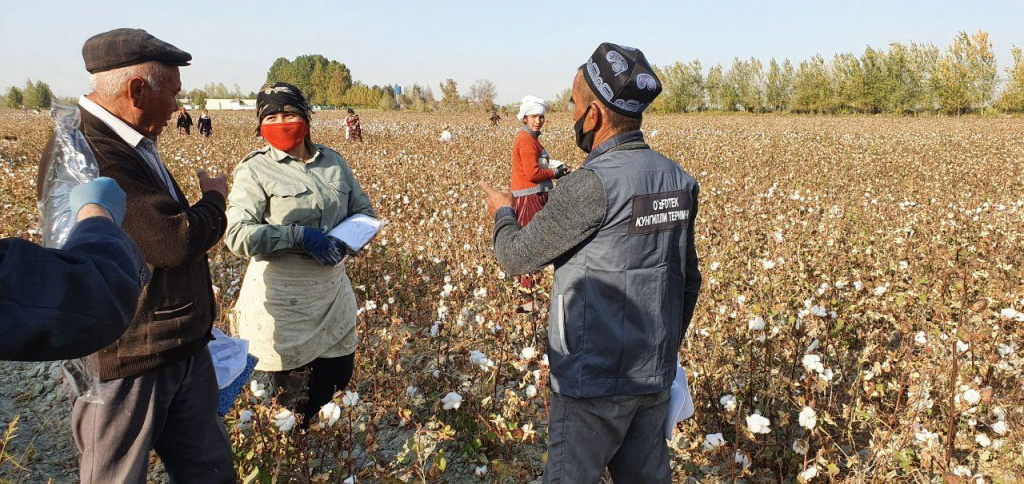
523 47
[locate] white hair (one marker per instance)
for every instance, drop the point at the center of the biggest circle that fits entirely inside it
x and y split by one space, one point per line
111 84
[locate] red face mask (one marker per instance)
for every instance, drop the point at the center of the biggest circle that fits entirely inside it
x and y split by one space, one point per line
284 136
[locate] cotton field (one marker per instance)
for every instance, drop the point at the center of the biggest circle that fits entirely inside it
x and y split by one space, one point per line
859 320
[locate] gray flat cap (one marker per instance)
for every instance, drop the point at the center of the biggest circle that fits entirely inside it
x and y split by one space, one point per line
125 47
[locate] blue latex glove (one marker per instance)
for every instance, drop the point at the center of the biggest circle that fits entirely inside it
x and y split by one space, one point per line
102 191
317 245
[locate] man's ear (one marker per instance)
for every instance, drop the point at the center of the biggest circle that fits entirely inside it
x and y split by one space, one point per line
136 91
595 117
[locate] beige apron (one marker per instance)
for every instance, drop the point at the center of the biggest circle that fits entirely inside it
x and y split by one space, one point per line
292 311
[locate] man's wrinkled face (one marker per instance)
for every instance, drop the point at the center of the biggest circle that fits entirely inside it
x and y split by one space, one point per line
158 105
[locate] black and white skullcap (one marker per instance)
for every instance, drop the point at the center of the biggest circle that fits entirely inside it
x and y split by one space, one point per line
622 79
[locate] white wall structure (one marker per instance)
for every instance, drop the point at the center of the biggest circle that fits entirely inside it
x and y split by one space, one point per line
230 104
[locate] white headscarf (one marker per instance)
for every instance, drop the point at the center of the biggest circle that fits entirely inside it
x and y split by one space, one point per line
532 105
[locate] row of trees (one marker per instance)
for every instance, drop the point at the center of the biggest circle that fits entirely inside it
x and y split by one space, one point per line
900 80
328 82
33 95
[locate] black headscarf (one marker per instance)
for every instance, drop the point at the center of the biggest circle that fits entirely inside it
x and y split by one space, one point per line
280 97
622 79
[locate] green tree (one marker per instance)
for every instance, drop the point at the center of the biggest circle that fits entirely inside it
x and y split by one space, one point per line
778 88
321 80
387 102
14 98
449 93
418 98
37 95
966 74
907 69
718 90
340 81
216 91
197 98
845 79
745 85
875 88
561 101
683 87
1013 93
279 71
812 86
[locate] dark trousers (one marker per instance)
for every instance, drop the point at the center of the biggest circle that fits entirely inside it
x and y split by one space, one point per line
625 433
172 410
326 376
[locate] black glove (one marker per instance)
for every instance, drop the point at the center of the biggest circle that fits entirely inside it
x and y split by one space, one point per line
561 170
317 245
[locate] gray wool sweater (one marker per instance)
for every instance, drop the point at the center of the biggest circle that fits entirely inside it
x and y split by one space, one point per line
575 210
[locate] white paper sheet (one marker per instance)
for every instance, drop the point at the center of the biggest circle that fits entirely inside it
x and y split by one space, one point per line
680 404
356 230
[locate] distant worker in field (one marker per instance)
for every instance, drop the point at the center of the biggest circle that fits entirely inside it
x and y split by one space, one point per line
532 172
157 381
184 122
353 130
296 306
495 118
446 135
205 124
620 233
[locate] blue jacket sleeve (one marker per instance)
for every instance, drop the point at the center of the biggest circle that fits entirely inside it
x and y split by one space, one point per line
68 303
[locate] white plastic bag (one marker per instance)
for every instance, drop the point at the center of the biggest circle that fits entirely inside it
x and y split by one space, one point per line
229 357
356 231
680 404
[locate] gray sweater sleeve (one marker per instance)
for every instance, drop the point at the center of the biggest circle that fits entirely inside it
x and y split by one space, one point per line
575 210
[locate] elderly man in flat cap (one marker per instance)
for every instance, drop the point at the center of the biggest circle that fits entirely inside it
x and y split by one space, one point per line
620 233
157 381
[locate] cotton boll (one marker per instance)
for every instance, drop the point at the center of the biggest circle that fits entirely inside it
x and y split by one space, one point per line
921 338
809 473
713 441
350 399
808 418
728 402
452 401
758 424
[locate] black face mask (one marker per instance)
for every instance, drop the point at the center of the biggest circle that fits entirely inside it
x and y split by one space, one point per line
584 140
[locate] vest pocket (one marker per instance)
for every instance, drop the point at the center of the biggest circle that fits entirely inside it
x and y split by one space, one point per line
559 342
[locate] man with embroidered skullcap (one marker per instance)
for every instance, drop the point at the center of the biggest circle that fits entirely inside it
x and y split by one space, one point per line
620 233
157 381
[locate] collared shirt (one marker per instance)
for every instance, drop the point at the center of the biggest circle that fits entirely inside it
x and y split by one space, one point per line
145 147
273 191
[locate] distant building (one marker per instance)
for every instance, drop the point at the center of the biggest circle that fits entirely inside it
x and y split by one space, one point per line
231 104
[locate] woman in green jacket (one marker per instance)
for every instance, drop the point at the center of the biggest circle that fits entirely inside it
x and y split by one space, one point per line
296 306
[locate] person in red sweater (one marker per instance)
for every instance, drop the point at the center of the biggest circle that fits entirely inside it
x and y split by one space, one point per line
532 172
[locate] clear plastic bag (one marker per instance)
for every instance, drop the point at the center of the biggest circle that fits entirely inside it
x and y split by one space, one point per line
71 164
